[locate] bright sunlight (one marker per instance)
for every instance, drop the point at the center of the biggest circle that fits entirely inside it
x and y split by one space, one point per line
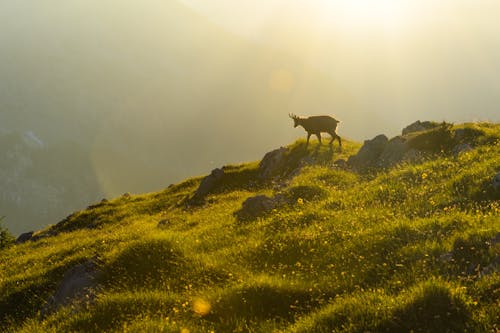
359 15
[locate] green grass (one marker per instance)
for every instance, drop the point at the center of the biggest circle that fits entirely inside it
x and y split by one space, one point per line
397 250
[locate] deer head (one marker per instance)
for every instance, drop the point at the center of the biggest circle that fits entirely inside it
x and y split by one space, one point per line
295 119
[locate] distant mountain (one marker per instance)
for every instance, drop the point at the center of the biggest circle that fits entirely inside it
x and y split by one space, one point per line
39 182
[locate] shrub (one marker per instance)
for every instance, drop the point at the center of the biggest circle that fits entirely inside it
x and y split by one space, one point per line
306 192
434 140
6 238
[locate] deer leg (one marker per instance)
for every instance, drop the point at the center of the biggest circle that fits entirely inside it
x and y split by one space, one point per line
308 136
319 137
333 137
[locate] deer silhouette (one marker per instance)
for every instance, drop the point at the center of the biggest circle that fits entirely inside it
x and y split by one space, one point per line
317 125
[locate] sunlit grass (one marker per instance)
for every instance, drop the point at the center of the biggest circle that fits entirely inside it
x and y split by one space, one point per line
347 252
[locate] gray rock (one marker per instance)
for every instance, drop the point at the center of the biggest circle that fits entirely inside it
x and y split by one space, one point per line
257 206
24 237
77 284
419 126
208 184
393 153
369 153
413 156
461 148
272 163
496 182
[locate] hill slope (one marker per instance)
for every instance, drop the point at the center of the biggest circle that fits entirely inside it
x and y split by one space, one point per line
137 85
412 247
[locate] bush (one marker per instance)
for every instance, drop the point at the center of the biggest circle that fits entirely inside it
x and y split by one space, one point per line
434 140
306 192
6 238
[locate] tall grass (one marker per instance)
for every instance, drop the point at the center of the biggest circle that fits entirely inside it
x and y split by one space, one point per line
400 250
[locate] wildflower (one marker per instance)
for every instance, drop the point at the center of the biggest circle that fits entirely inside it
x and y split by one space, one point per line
424 175
201 307
300 201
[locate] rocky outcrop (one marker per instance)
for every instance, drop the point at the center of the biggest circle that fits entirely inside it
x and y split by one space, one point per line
394 152
419 126
380 152
24 237
207 185
273 163
369 153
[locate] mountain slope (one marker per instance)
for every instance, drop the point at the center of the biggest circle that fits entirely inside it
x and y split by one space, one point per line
151 86
413 247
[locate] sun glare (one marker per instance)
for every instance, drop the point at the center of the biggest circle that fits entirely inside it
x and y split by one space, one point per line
363 15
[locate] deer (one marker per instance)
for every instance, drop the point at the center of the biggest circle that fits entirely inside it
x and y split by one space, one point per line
317 125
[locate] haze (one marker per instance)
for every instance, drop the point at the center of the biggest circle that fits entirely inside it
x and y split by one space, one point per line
107 97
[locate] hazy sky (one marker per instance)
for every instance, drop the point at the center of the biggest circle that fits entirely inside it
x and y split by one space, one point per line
399 59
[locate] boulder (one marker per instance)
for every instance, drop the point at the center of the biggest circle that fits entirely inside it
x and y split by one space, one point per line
413 156
208 183
77 284
393 153
369 153
272 163
254 207
24 237
419 126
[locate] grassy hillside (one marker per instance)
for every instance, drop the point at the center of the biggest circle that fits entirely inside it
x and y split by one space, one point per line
407 248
